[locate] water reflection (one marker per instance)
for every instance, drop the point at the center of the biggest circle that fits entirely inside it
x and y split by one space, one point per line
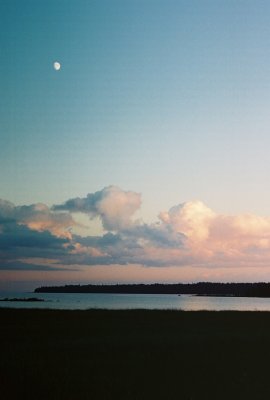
85 301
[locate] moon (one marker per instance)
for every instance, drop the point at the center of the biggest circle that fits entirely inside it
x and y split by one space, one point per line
56 65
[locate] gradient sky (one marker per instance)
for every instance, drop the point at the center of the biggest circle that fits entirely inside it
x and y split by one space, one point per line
157 103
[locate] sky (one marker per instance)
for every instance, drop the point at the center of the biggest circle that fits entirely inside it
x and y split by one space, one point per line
145 157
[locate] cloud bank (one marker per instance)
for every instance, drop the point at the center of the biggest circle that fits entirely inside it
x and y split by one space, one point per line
187 235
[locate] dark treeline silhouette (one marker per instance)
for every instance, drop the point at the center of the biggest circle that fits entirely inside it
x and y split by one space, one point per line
259 289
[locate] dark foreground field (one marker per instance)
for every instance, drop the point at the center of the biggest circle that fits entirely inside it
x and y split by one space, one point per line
134 355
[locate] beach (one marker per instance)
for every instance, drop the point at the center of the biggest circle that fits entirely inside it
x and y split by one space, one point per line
134 354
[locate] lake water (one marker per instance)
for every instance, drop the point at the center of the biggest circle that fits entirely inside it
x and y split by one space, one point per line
84 301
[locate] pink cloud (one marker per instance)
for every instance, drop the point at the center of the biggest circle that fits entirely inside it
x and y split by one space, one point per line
211 236
188 236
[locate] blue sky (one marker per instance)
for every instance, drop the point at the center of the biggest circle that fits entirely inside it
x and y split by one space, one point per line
169 99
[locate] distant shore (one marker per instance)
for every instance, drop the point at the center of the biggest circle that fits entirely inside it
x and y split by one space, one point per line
23 299
257 289
136 354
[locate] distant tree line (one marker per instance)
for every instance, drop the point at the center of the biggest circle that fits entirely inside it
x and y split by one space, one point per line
259 289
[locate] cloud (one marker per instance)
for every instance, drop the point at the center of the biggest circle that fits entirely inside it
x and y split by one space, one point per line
187 235
211 236
14 235
139 244
114 206
22 266
32 231
19 241
38 217
191 219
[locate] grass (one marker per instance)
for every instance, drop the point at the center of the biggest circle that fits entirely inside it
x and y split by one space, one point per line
136 354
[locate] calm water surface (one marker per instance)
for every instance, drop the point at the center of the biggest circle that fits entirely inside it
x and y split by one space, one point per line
84 301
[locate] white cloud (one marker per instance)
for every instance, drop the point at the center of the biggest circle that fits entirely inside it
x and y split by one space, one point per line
114 206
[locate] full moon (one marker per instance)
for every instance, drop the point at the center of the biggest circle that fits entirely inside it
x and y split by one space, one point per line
56 65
